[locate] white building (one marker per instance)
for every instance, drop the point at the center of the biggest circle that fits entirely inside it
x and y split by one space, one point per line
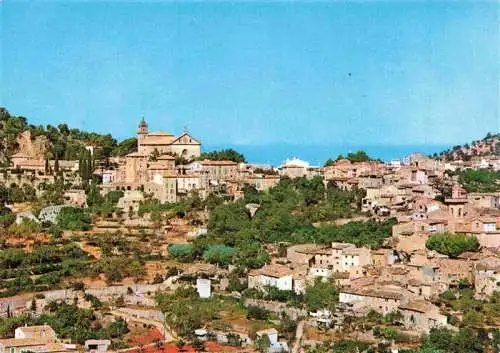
277 276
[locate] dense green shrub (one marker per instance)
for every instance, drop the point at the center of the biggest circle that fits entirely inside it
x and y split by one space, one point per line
452 244
73 218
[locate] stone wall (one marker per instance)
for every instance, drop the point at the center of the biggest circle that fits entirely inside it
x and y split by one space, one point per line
277 308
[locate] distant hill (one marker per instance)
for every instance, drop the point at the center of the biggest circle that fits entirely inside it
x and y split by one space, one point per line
488 146
61 141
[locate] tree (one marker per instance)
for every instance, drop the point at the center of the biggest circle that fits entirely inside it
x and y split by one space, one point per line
219 254
154 155
226 155
452 244
329 162
358 156
158 279
125 147
73 218
263 343
320 295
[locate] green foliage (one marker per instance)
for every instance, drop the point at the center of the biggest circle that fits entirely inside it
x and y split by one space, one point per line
185 311
26 227
320 295
86 166
452 244
354 157
125 147
53 193
370 234
480 180
286 214
113 197
263 343
254 312
219 254
68 321
273 293
66 143
387 333
16 193
236 284
464 341
73 218
158 279
181 252
477 313
350 346
51 262
11 258
223 155
117 268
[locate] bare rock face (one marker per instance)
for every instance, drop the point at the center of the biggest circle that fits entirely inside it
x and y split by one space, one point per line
252 208
36 149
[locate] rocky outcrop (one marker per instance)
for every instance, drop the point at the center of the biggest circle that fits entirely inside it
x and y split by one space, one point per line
33 148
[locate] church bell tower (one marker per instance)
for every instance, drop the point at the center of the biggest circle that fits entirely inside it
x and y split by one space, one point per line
142 132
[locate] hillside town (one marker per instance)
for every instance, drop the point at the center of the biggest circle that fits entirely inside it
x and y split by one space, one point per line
154 245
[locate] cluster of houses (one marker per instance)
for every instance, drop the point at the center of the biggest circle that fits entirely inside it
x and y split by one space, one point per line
403 276
43 339
381 280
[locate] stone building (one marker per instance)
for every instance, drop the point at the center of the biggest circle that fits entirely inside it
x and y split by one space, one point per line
184 146
487 276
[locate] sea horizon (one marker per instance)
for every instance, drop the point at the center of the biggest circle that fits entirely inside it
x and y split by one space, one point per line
276 153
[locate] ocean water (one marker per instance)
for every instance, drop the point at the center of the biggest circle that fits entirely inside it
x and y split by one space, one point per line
275 154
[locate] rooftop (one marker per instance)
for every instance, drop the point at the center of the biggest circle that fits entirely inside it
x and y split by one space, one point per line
420 306
275 271
490 263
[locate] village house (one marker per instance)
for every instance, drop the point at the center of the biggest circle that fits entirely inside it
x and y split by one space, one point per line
275 275
191 182
75 197
452 271
302 253
353 259
220 170
163 187
484 228
13 305
484 199
263 182
294 168
131 200
36 339
97 346
382 257
487 277
381 298
343 168
275 346
422 316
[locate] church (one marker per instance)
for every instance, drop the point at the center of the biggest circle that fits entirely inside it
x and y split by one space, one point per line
141 167
166 143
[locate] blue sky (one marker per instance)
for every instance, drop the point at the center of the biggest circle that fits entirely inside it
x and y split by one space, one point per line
257 73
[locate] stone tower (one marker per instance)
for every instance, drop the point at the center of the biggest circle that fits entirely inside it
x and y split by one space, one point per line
142 132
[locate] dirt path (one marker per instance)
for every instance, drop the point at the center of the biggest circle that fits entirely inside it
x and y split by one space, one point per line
298 336
162 327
